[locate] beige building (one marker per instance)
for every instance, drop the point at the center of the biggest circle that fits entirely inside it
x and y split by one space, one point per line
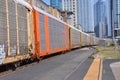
40 4
66 15
53 11
71 5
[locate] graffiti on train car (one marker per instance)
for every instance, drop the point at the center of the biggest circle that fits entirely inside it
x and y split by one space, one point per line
2 54
13 50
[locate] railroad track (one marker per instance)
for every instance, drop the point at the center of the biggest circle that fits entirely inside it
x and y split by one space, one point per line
8 71
46 58
22 66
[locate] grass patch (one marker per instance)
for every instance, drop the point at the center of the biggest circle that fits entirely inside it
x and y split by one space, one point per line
108 52
91 57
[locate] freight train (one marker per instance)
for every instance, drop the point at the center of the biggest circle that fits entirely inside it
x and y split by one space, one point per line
27 32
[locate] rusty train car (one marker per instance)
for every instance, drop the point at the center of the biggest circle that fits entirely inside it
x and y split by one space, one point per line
27 32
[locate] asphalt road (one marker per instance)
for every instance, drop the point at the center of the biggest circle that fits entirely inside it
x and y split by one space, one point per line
107 71
70 66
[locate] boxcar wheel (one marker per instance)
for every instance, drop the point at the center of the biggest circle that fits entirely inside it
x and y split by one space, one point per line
15 65
39 59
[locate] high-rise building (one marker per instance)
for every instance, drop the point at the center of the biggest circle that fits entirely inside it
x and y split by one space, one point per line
102 30
109 18
85 15
100 19
115 6
71 5
56 3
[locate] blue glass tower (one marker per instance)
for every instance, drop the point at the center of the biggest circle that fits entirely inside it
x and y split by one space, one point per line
56 3
85 15
116 13
116 17
109 17
100 19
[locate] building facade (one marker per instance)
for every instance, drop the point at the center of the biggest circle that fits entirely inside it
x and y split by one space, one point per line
85 15
39 3
102 30
71 5
55 12
100 19
49 9
56 3
109 18
115 4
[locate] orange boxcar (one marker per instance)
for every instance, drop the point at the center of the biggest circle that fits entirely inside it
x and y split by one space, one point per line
51 35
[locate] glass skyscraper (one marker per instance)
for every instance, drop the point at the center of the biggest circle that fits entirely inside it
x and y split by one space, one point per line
85 15
56 3
100 19
116 13
109 17
116 17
